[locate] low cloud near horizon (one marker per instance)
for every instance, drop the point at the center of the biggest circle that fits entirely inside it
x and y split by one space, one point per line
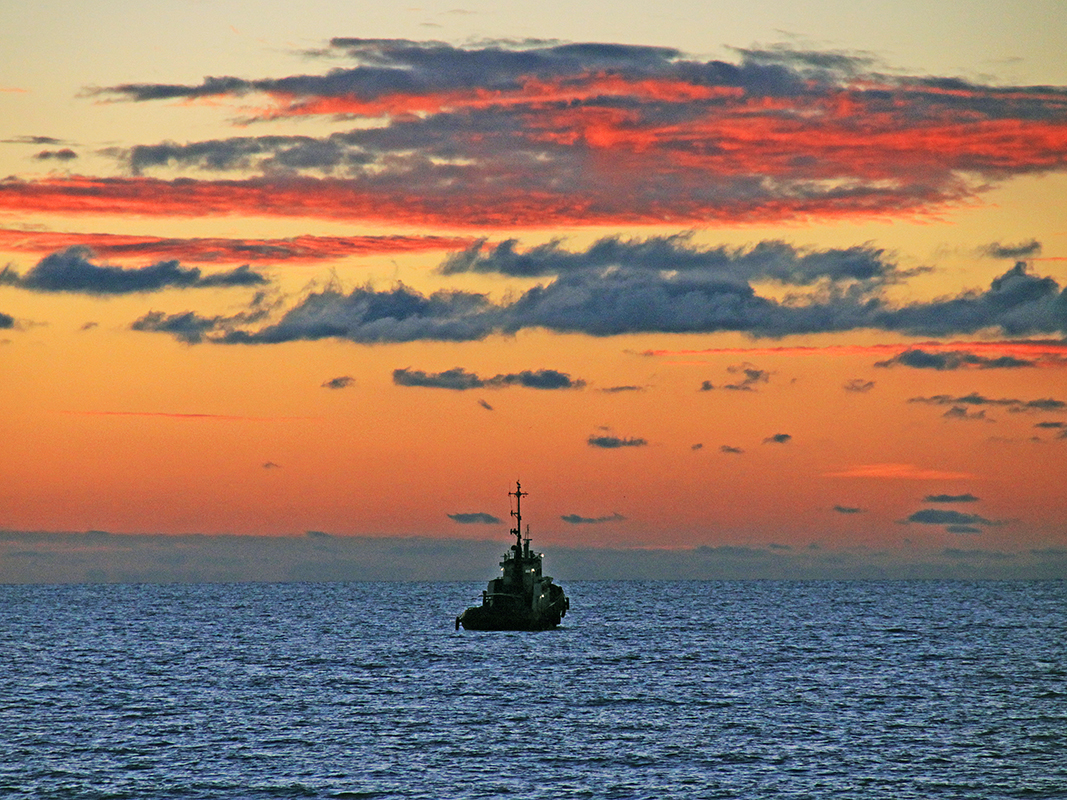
100 557
575 519
955 521
609 442
474 518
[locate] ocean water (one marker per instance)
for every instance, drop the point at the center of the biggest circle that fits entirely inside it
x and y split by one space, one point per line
649 690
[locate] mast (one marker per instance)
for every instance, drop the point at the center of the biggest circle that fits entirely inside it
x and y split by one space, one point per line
518 494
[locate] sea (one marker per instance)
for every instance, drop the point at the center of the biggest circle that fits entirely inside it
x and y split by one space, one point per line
748 689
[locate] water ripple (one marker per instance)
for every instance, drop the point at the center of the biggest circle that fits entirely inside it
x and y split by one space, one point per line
651 690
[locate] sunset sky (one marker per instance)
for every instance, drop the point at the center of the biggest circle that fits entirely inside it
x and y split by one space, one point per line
777 284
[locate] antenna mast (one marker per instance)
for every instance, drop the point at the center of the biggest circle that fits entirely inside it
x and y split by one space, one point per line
518 494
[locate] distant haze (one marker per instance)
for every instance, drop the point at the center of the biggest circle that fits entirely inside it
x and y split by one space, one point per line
100 557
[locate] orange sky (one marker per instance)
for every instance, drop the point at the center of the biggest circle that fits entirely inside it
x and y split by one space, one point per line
779 297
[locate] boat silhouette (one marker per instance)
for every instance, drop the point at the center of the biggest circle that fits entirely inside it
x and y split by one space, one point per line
522 598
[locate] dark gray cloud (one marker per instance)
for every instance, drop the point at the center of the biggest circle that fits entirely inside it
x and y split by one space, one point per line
608 442
778 438
620 302
961 413
485 405
952 359
399 66
815 64
1061 427
962 529
338 152
187 327
976 553
1017 303
459 379
643 301
730 450
367 316
456 378
72 270
474 518
191 328
858 385
342 382
1010 403
65 154
271 465
766 260
1044 404
950 498
38 140
621 389
1012 251
942 516
391 67
575 519
750 376
537 379
6 321
848 510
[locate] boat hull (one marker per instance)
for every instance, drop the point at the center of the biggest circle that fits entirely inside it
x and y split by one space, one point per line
486 618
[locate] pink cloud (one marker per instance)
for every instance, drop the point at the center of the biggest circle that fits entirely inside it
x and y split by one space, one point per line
511 136
899 472
295 250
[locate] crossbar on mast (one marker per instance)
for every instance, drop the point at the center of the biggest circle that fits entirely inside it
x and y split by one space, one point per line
518 494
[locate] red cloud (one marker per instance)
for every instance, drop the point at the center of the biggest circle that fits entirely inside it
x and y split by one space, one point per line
532 92
589 134
295 250
851 132
508 207
170 415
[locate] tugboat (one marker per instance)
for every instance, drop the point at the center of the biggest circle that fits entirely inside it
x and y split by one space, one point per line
521 599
